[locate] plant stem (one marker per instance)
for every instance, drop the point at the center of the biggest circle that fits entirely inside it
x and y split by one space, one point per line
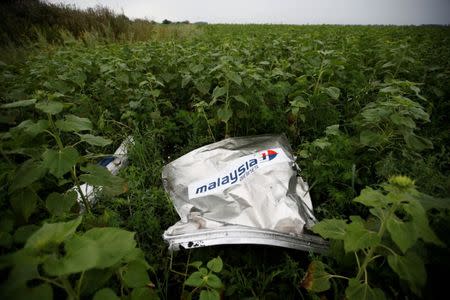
186 272
372 249
339 276
55 135
80 191
79 283
51 281
73 171
207 123
319 78
70 292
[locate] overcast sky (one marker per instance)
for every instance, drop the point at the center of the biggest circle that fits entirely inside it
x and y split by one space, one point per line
399 12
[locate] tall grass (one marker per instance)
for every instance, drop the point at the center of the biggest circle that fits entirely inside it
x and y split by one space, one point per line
26 25
24 22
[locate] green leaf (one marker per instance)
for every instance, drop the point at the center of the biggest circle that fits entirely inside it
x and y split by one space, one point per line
94 279
233 76
155 115
316 279
420 221
215 264
196 264
209 295
402 233
195 279
202 86
50 107
33 129
136 255
136 275
321 143
299 102
374 113
241 99
24 202
358 237
213 281
79 78
186 79
72 123
224 114
59 204
59 162
20 103
362 291
417 143
370 138
106 294
389 89
400 120
379 213
410 268
54 234
332 130
97 248
143 294
302 117
29 172
218 92
197 68
331 229
333 92
101 177
428 202
95 140
304 153
113 244
372 198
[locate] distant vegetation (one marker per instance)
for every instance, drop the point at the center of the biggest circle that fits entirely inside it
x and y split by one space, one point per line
27 21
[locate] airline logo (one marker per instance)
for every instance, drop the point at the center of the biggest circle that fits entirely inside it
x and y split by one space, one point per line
269 154
237 171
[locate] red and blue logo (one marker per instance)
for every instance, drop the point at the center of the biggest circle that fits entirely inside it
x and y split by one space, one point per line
268 155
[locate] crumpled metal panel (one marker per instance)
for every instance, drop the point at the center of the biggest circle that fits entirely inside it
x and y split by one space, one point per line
244 184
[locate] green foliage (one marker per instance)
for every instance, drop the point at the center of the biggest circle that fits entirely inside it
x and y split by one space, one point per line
59 162
317 279
97 249
401 222
42 21
205 281
359 290
74 123
393 115
99 176
58 204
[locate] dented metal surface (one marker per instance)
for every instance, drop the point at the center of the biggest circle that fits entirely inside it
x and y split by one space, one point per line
237 191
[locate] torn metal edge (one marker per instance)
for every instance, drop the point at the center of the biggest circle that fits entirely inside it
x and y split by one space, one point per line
234 234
